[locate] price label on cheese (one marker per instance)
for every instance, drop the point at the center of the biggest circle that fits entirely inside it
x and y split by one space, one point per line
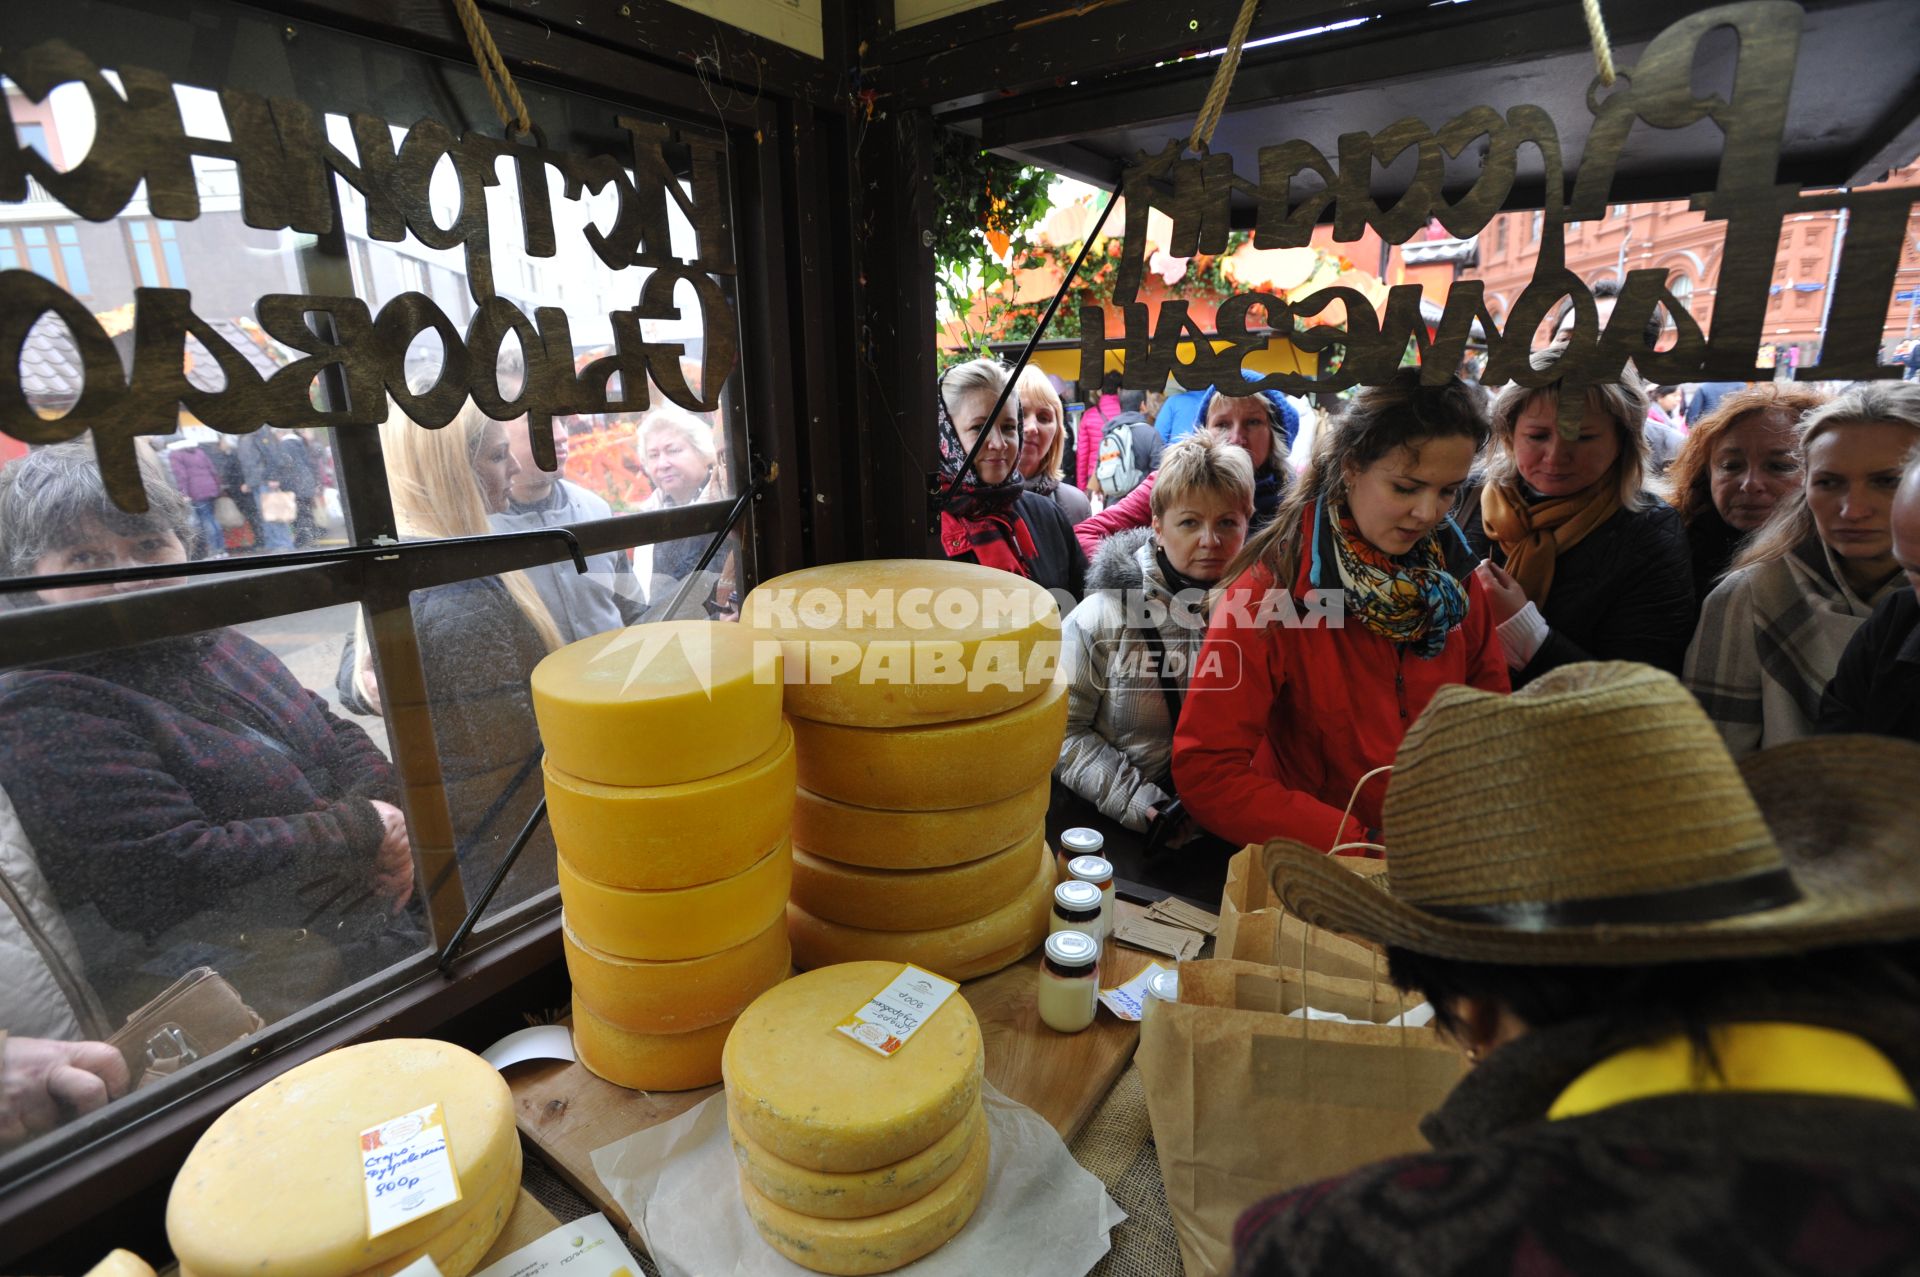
896 1012
408 1168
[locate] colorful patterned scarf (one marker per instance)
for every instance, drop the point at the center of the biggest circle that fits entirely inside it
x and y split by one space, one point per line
979 518
1412 599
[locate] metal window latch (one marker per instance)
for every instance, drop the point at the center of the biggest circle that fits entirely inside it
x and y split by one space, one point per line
170 1045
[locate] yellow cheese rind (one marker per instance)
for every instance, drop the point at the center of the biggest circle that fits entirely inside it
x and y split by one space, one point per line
961 952
913 899
278 1178
815 1097
913 839
658 704
877 1243
458 1249
121 1263
876 644
675 997
666 926
936 767
856 1194
659 837
648 1061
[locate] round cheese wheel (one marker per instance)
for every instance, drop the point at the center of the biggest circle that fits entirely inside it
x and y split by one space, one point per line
121 1263
889 642
877 1243
938 767
855 1194
648 1061
458 1249
673 997
913 839
960 952
819 1099
691 922
276 1181
659 704
658 837
913 899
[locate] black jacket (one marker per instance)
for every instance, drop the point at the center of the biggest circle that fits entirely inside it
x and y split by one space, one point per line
1877 685
1059 562
1712 542
1624 593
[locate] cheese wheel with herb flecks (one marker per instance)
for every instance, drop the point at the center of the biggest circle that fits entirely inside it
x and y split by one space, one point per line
675 997
960 952
935 767
277 1180
891 642
658 704
886 839
648 1061
659 837
690 922
855 1194
877 1243
813 1096
913 899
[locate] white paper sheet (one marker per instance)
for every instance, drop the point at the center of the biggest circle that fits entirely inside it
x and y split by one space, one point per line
545 1042
588 1247
1042 1212
1416 1018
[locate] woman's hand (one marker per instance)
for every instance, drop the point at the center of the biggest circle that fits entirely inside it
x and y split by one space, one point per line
1503 592
369 686
393 863
43 1082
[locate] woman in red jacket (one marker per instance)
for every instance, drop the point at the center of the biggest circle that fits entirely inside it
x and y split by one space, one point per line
1302 689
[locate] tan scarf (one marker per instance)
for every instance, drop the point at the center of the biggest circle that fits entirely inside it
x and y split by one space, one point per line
1532 536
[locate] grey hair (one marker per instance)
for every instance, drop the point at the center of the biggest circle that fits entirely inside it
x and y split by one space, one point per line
49 496
975 377
698 434
1624 400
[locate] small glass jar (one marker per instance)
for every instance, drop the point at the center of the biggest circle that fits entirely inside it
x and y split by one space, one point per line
1076 907
1081 841
1099 872
1069 981
1164 987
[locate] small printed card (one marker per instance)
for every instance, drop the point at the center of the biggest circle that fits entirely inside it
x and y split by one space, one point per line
1130 999
409 1170
588 1247
897 1011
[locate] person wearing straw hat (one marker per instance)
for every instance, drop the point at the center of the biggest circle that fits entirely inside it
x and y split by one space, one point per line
1693 1007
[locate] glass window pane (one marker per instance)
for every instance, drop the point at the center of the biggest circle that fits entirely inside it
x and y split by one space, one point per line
170 246
9 254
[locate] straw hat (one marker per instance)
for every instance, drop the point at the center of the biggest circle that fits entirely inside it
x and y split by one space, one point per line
1595 818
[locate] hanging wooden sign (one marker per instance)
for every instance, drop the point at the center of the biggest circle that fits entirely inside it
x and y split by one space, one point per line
288 171
1196 193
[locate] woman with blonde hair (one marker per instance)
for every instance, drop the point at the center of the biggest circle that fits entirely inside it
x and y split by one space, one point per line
479 641
1582 563
1043 442
1738 462
1771 634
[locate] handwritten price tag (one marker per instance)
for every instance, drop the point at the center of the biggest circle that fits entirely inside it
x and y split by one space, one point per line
409 1170
897 1011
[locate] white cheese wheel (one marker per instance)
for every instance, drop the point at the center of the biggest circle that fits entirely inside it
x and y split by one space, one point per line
666 926
673 997
855 1194
817 1098
658 704
659 837
914 899
889 642
121 1263
888 839
937 767
648 1061
877 1243
960 952
276 1182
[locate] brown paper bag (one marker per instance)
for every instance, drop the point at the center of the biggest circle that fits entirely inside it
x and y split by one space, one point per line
1247 1101
1253 927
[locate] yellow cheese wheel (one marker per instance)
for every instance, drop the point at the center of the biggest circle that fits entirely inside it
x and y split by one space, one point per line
877 1243
938 767
121 1263
658 704
960 952
658 837
889 642
648 1061
815 1097
855 1194
459 1248
666 926
913 899
673 997
913 839
276 1181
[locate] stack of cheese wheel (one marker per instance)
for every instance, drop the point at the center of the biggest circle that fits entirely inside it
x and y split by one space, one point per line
670 781
276 1184
927 719
850 1161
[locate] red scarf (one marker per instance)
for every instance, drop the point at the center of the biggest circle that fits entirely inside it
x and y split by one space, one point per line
995 540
